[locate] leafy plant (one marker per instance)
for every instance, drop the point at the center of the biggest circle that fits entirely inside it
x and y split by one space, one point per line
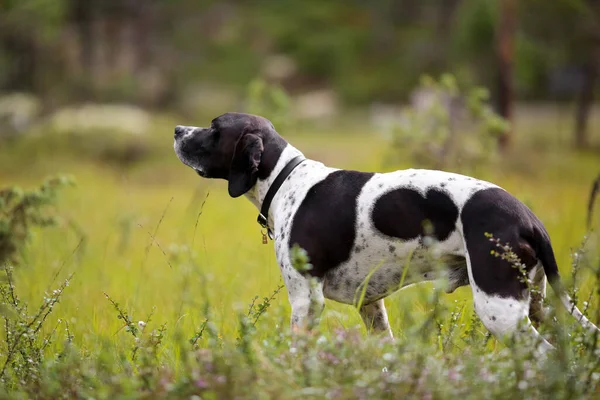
270 101
24 344
20 211
446 127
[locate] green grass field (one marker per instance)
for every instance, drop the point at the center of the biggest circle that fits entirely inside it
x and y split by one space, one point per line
158 239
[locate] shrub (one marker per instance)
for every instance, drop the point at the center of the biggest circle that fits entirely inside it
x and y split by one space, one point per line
22 210
269 101
446 127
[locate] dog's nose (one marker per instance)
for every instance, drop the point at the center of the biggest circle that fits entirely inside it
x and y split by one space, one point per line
179 130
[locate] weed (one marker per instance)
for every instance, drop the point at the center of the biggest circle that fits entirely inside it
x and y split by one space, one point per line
20 211
24 344
256 310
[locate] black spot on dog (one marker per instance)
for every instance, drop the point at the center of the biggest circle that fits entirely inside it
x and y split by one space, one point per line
443 184
325 223
392 248
493 317
380 185
358 249
402 213
496 211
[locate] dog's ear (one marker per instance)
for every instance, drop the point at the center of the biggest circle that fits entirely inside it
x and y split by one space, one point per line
243 172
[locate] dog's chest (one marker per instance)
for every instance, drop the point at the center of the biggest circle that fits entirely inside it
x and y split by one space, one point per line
289 198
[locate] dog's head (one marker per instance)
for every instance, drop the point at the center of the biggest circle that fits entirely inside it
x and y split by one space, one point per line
237 147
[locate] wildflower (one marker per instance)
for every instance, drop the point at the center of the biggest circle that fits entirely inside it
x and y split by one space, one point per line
141 324
201 383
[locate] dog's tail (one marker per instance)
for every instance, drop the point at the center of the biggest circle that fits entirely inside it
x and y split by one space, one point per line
546 256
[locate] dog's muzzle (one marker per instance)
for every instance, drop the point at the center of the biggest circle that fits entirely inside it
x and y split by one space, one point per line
200 172
179 131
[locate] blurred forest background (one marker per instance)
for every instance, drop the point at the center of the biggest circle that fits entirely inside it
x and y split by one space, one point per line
197 57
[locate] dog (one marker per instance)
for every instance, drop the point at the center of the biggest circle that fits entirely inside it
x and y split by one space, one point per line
361 228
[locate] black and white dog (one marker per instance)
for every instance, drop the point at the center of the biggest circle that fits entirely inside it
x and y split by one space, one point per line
359 227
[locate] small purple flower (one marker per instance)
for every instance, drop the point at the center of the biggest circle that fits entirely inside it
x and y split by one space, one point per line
201 383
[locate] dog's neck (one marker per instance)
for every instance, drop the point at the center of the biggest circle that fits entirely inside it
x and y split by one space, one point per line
259 191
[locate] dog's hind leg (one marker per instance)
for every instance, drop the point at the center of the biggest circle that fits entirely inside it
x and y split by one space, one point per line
505 312
537 312
375 317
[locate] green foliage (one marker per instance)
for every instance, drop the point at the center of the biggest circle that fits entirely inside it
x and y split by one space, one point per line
300 260
475 28
270 101
449 128
363 50
257 310
48 14
23 348
445 355
20 211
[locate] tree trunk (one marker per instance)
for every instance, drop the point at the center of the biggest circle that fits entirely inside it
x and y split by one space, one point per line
22 52
584 103
585 98
82 17
505 47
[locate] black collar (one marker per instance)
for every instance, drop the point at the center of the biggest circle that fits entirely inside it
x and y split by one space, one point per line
264 210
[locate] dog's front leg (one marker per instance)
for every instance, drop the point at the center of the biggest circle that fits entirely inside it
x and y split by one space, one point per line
375 318
307 301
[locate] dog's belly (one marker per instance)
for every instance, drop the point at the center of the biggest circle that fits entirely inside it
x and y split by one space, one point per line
388 265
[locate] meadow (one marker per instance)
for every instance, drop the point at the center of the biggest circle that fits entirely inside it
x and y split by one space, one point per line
173 295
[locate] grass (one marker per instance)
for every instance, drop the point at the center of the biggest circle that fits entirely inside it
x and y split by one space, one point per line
156 239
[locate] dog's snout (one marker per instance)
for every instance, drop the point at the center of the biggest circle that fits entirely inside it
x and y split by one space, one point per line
179 130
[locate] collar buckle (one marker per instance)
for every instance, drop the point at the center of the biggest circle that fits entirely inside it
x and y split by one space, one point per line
262 221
